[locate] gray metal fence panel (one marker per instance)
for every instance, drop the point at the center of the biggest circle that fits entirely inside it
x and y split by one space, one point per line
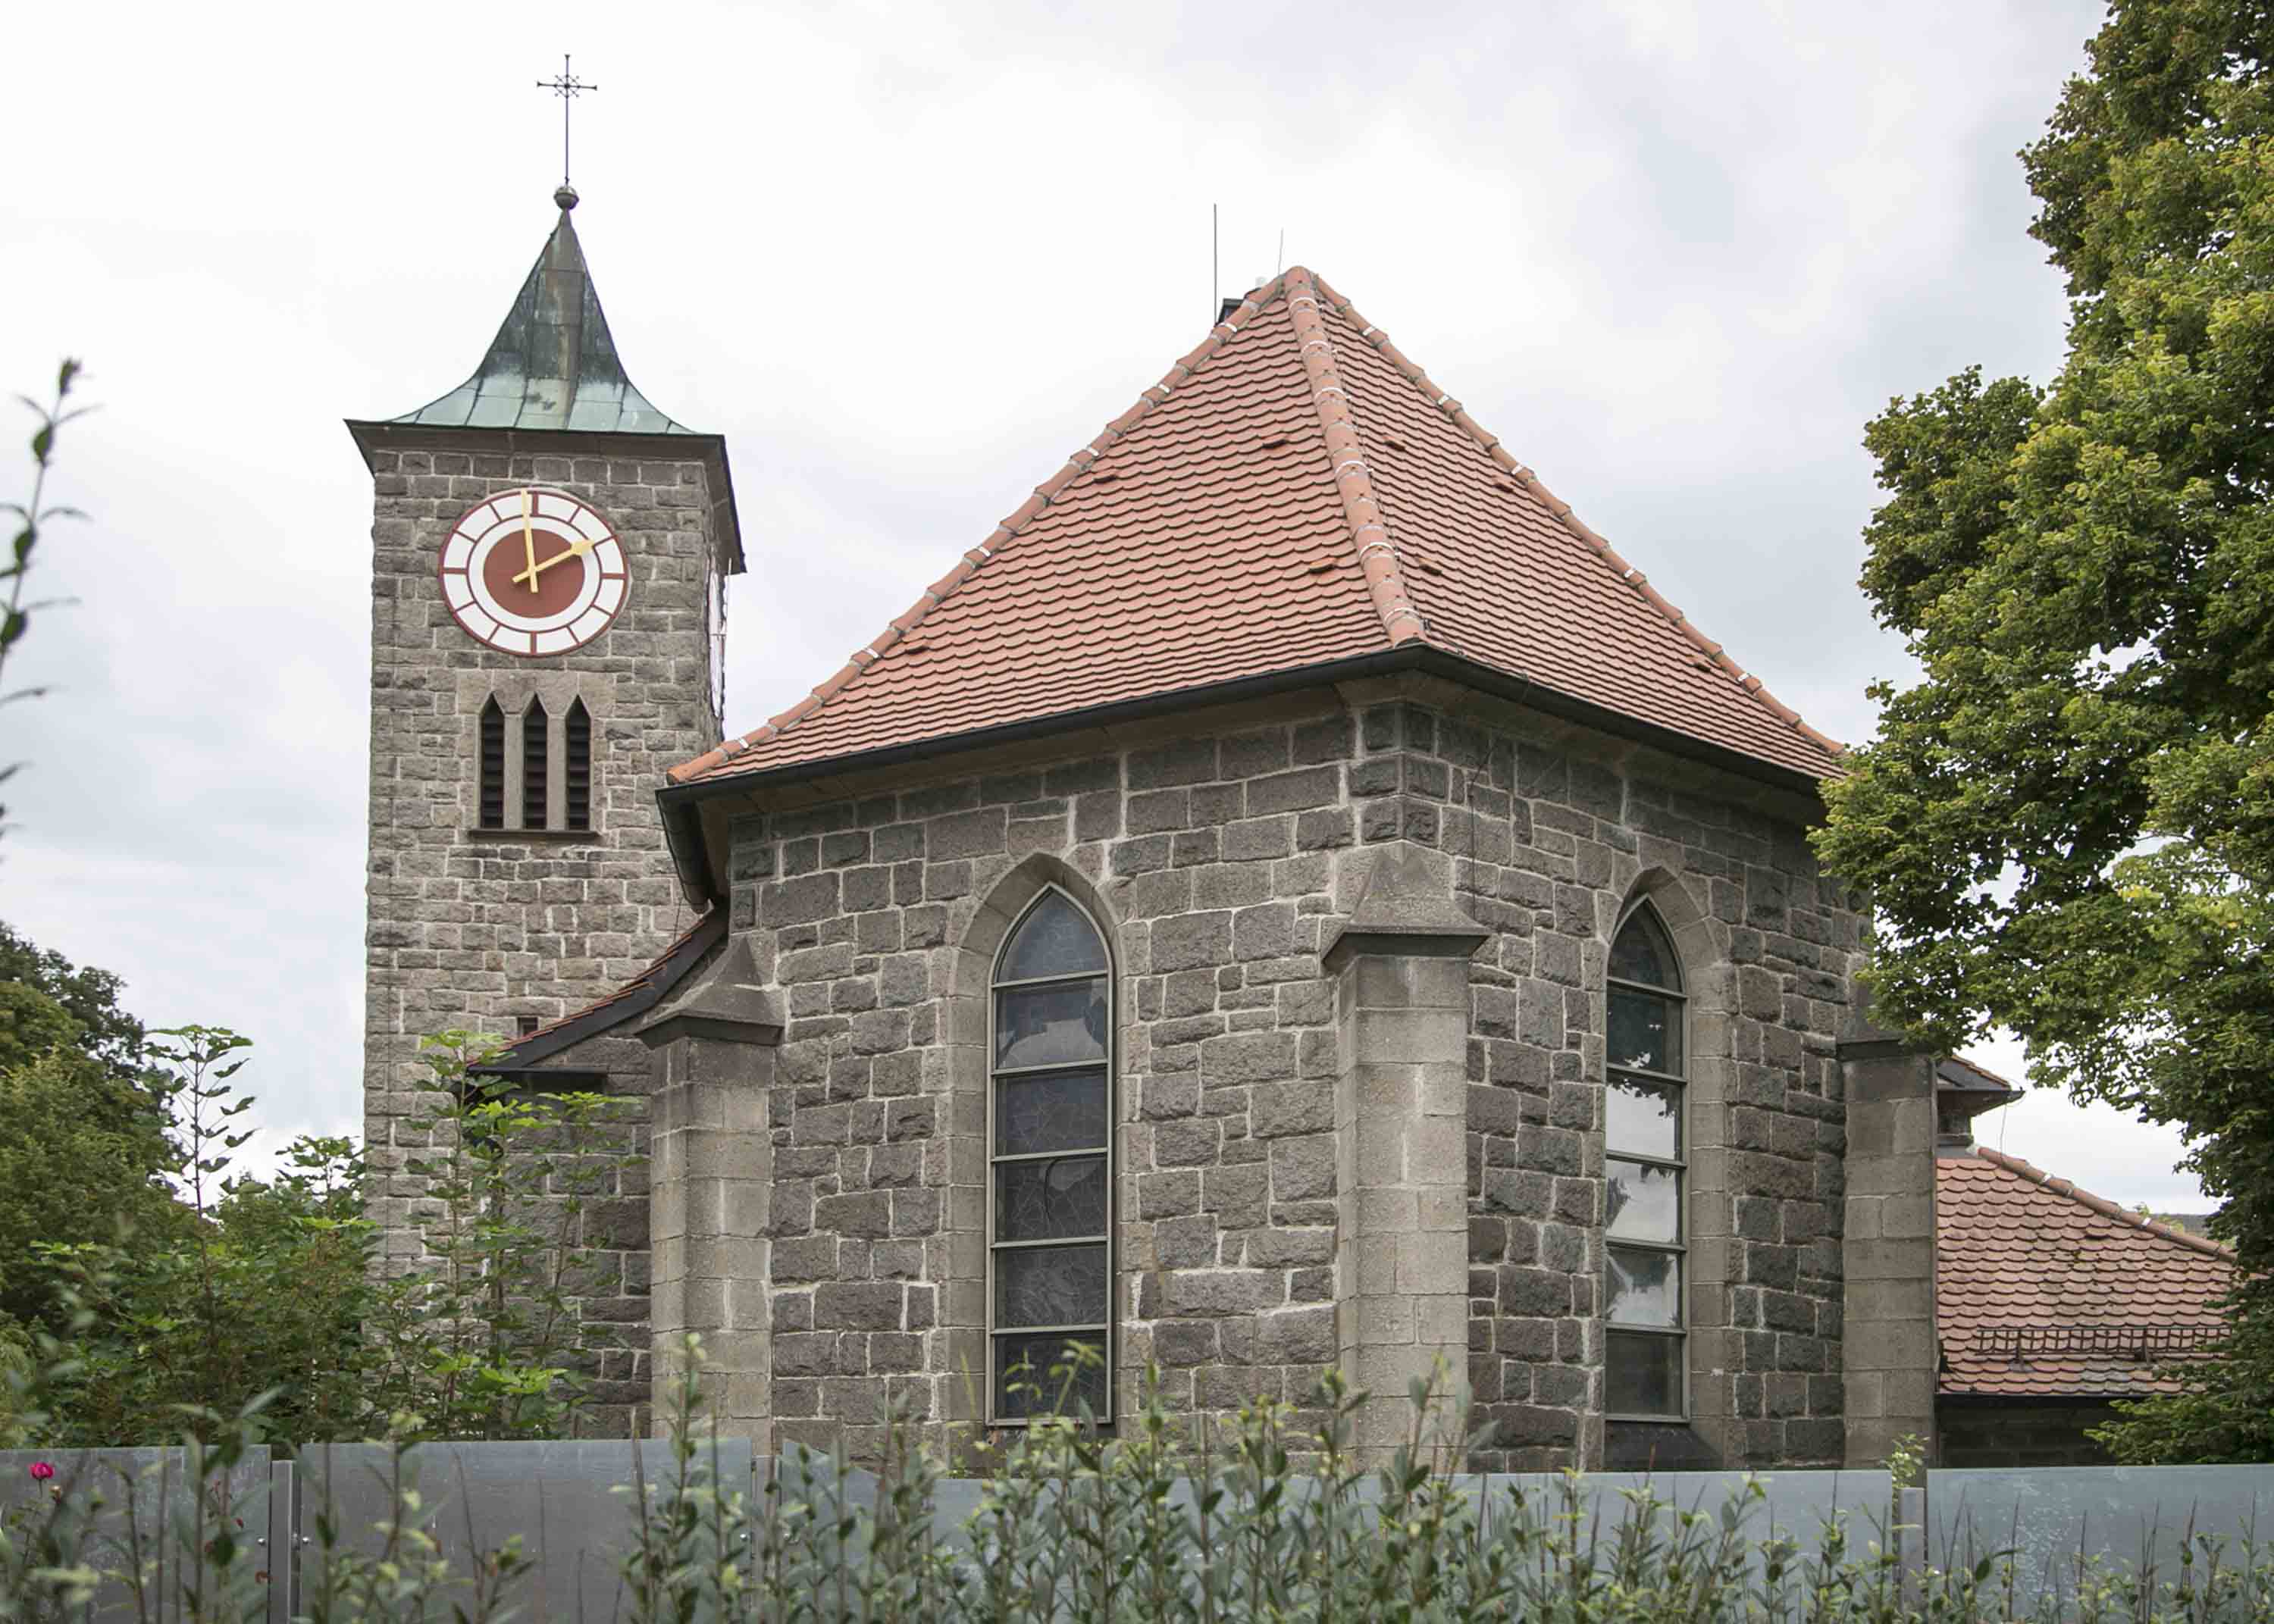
2047 1521
572 1504
573 1507
1795 1506
153 1519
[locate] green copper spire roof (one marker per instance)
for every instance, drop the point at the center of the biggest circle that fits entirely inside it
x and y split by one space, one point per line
553 364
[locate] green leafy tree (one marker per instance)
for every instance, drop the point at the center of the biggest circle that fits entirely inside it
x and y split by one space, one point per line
84 1144
2066 823
70 1178
264 1295
480 1339
33 1025
89 996
240 1293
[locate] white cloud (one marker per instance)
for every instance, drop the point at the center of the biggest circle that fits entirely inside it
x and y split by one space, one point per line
906 258
2098 1146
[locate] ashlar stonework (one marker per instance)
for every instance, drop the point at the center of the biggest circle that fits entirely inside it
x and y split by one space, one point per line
1356 746
1223 856
484 929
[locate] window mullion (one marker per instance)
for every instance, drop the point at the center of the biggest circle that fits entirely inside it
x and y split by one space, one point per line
1050 1065
1615 1154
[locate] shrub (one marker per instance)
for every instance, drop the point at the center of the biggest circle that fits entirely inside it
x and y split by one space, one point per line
1073 1528
202 1290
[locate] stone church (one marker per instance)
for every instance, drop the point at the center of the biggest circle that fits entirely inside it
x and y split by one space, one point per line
1291 896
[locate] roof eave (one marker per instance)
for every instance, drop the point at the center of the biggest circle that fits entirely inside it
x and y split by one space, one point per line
2082 1394
681 803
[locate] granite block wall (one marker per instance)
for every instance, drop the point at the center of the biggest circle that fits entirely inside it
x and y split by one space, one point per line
612 1232
2021 1432
1221 857
481 929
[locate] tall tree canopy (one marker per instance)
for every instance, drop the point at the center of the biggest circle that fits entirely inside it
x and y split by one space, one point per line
85 1148
2067 821
108 1033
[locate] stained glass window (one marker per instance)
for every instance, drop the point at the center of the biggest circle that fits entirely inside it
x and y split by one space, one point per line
1049 1205
1645 1177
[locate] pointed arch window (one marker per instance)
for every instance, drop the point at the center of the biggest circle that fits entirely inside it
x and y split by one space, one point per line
1646 1360
1050 1128
535 779
579 764
492 766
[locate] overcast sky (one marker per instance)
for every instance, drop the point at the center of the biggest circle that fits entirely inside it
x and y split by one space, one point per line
905 261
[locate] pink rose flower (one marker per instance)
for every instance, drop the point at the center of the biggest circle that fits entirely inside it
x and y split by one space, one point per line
42 1471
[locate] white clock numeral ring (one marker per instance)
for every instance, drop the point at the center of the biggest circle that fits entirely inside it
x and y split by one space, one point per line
533 571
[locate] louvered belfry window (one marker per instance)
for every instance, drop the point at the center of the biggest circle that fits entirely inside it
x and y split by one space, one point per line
491 767
579 764
1644 1341
535 779
526 742
1049 1163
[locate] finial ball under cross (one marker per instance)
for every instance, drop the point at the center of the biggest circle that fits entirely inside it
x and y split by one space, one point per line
567 86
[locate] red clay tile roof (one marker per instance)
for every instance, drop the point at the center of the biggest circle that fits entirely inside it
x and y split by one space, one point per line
1294 492
2076 1281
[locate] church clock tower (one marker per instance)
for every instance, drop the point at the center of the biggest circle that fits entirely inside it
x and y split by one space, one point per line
548 555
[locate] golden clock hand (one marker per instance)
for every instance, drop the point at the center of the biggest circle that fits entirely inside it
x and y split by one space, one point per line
574 550
528 543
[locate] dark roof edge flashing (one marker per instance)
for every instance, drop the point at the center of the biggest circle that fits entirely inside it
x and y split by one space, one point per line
532 1076
520 1059
1883 1048
1971 1398
681 822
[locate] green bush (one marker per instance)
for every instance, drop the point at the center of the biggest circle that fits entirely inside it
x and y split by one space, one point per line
1073 1527
158 1282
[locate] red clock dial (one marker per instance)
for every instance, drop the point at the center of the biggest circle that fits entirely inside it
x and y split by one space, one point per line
534 571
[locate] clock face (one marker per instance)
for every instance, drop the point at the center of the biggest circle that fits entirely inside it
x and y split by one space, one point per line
533 571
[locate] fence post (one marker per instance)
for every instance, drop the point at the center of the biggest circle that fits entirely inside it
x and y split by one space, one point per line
283 1541
1911 1544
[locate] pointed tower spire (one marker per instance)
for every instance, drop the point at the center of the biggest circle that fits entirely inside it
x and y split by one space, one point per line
553 364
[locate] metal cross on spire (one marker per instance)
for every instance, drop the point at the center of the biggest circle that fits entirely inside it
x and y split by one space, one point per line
567 86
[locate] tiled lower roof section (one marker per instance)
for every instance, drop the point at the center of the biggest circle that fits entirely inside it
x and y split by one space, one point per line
1293 492
2024 1258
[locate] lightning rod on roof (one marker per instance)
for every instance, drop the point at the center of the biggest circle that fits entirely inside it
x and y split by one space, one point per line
1215 277
1282 265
